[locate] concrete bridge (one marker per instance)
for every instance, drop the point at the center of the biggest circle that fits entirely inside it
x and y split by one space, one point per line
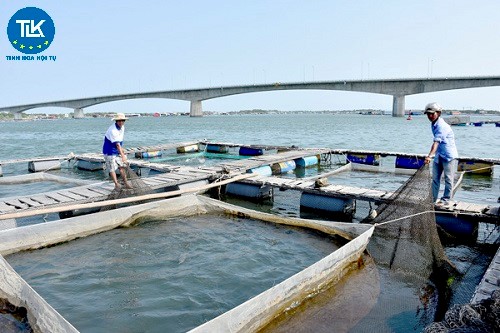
398 88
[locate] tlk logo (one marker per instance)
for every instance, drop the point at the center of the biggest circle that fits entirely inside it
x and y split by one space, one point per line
29 29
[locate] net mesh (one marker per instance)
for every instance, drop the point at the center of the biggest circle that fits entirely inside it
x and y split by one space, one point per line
130 185
406 238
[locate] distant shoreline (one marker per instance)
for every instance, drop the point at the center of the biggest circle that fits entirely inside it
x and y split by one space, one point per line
43 116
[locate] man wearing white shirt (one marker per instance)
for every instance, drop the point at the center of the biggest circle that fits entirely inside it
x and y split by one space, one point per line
112 147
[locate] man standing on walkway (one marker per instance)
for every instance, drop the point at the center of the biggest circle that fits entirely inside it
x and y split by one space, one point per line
112 147
444 152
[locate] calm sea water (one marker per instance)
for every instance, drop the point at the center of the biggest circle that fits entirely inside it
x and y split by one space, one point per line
385 133
391 312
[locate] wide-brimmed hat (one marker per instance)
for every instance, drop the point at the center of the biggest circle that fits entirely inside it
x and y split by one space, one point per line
119 116
432 108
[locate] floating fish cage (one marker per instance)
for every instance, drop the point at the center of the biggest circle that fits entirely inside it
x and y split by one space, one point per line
409 162
215 148
40 166
188 149
369 159
89 165
254 312
475 167
249 151
148 154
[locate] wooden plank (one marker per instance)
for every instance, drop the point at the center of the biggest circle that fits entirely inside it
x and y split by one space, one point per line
30 202
71 195
43 199
6 208
57 197
100 190
16 203
84 192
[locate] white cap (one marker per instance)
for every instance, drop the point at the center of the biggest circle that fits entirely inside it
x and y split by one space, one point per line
433 107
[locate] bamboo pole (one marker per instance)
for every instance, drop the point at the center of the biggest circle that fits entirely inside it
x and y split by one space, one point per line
105 203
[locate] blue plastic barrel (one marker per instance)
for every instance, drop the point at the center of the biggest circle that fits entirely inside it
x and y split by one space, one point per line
220 149
148 154
457 226
283 167
370 159
326 203
306 161
409 162
249 190
248 151
264 170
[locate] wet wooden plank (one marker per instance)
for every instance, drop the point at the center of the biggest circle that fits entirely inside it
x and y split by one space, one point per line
71 195
43 199
85 193
100 190
4 208
30 202
58 197
16 203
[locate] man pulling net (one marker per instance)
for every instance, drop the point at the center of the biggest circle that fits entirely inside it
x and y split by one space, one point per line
116 159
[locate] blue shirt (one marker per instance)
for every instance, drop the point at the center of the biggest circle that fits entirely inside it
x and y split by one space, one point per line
113 135
443 134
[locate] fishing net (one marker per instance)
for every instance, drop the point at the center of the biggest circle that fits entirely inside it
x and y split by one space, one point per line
406 238
133 186
481 317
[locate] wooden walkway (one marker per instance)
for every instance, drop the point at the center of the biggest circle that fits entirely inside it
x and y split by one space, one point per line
484 213
490 281
173 175
99 191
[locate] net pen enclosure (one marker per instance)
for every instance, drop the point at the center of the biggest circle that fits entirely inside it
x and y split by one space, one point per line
180 264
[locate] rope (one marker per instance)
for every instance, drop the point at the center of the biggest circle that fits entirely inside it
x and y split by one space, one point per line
413 215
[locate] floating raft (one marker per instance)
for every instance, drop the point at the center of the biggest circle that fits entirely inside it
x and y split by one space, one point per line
485 213
182 176
490 281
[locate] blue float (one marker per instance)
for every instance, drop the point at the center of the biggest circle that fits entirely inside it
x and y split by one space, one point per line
148 154
220 149
304 162
325 203
457 226
409 162
249 191
283 167
249 151
264 170
370 159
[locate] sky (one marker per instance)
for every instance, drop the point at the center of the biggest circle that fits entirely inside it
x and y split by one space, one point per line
117 47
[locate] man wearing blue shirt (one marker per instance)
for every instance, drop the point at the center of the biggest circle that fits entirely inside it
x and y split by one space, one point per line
112 147
444 152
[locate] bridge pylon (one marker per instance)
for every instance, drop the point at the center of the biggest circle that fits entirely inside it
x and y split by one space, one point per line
398 105
18 116
196 109
78 113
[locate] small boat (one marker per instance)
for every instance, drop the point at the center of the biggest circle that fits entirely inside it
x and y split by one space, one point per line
409 117
480 123
497 124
